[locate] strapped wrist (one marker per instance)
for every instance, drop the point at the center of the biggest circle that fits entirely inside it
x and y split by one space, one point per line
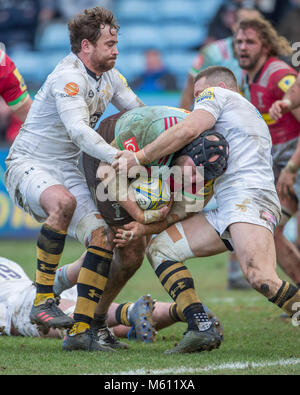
291 167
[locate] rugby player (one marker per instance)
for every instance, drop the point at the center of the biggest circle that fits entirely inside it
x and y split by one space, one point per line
43 177
288 175
133 130
13 88
289 102
268 78
17 293
248 206
220 53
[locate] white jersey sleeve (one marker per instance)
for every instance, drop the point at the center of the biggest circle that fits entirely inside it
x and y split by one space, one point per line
71 103
124 98
210 100
248 136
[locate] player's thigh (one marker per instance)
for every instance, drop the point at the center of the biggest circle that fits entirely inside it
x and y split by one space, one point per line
34 184
202 237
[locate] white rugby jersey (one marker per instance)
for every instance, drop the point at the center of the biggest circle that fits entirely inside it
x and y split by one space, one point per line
65 109
248 136
17 293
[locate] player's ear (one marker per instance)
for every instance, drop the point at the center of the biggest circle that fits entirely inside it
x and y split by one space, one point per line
222 84
85 45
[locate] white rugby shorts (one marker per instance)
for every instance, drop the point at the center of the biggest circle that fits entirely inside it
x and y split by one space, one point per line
36 178
254 206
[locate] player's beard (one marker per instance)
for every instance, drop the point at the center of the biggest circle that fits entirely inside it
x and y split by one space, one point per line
102 65
251 61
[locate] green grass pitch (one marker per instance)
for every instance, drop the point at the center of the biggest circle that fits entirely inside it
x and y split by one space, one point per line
256 341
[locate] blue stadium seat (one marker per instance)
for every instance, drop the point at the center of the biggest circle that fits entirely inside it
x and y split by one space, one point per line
131 64
183 36
36 66
136 11
32 66
139 37
54 37
178 10
207 10
179 63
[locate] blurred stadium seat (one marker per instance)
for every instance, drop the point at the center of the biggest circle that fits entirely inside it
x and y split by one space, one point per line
178 10
36 66
53 37
131 64
179 63
31 65
140 37
136 11
182 36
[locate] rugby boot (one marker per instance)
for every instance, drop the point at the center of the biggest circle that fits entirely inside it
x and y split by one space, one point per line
105 338
140 317
238 283
214 319
86 341
197 341
49 315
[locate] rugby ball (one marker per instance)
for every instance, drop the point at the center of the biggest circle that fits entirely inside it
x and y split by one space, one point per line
151 193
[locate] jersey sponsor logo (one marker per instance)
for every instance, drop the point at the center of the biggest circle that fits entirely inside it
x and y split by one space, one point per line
131 145
286 82
207 94
71 89
268 217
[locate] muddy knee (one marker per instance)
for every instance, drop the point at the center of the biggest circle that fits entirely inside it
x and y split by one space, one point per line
93 230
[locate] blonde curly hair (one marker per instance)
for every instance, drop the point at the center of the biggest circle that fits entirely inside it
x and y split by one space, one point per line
278 45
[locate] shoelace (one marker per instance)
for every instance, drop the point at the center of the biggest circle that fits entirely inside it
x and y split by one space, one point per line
106 335
50 305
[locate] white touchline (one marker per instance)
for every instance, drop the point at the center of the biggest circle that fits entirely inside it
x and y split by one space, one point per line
210 368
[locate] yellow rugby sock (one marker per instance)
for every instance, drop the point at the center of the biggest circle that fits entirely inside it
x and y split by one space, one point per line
50 245
91 282
178 282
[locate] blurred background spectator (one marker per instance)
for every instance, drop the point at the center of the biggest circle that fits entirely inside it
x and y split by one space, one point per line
67 9
20 19
156 77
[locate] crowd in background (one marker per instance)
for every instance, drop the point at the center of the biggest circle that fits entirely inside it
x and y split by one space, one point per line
23 21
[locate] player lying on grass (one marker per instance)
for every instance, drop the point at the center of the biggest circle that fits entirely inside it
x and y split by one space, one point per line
126 320
248 206
132 130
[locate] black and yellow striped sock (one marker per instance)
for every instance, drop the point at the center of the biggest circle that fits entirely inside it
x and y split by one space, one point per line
176 314
178 282
121 314
286 297
91 283
50 245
